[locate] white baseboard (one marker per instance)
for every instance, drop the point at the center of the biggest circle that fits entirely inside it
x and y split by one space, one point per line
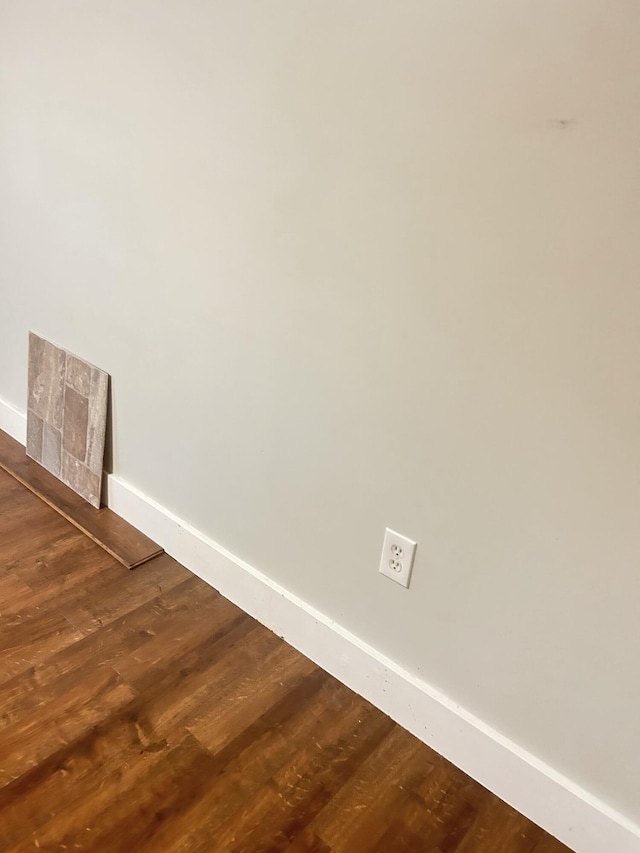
564 809
13 421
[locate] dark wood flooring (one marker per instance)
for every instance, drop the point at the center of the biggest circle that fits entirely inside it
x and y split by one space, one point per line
141 711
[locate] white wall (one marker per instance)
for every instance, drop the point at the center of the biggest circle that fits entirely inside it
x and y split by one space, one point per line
355 263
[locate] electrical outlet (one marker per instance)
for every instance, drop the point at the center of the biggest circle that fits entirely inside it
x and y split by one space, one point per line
398 554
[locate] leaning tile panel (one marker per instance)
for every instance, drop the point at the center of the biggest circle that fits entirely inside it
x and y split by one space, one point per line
67 417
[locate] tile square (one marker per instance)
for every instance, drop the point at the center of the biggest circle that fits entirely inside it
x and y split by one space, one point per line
67 417
78 375
34 436
47 365
51 449
75 424
78 477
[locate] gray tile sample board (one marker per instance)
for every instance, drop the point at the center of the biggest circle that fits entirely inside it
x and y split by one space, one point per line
67 417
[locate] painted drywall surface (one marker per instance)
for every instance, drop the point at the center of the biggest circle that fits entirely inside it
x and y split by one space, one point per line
361 264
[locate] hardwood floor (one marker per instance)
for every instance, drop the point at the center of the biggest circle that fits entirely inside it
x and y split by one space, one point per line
141 711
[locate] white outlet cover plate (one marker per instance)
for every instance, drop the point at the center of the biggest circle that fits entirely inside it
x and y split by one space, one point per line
398 554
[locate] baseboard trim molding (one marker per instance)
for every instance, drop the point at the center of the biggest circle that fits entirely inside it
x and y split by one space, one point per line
13 421
554 802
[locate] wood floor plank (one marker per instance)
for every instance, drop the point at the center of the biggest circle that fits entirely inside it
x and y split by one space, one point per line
451 801
243 699
114 534
359 814
19 536
12 589
250 763
124 811
29 638
104 597
43 568
174 621
204 673
47 728
302 787
498 824
64 792
129 637
141 711
61 593
308 842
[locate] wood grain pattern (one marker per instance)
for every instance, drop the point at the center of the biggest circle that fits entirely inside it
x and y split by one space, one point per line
144 712
104 527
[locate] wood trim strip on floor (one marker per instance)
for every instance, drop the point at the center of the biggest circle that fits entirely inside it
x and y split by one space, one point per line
119 538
